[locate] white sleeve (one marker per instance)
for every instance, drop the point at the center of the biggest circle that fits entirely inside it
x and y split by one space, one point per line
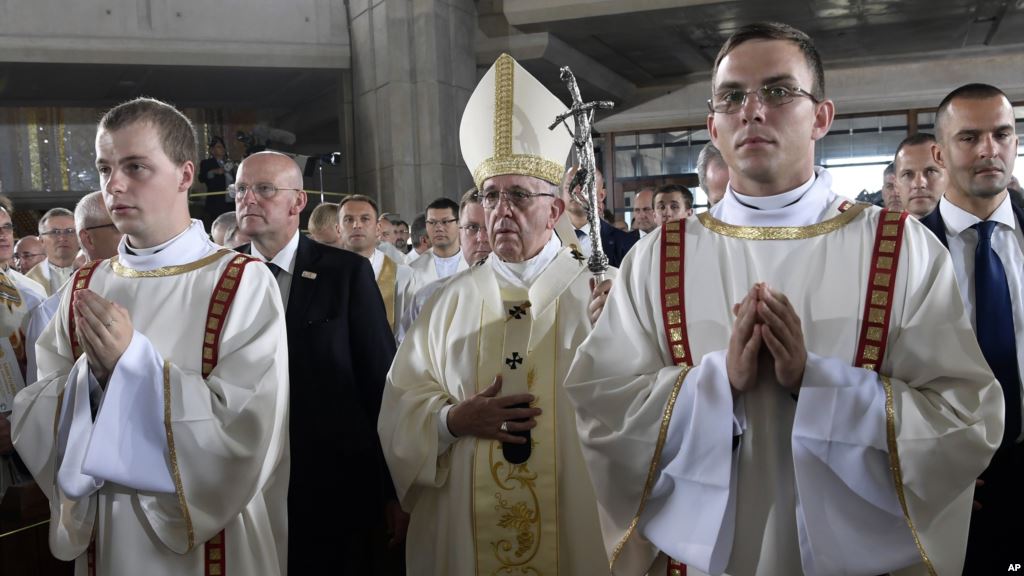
697 472
445 438
127 442
846 498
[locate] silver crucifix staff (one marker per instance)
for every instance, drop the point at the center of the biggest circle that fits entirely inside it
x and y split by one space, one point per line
583 113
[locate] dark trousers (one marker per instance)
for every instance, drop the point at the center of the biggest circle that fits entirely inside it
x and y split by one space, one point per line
995 540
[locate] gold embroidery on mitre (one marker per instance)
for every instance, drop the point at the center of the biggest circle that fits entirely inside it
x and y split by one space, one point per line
504 160
521 164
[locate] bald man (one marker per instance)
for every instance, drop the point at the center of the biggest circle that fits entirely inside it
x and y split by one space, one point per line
28 252
339 350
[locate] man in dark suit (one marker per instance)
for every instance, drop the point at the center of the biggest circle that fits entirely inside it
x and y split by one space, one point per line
340 348
614 242
976 221
217 173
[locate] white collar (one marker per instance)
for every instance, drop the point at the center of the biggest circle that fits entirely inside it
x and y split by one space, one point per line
778 200
191 245
805 205
447 259
285 258
55 267
522 274
957 219
377 262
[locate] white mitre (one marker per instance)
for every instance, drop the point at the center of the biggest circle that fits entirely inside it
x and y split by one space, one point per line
504 128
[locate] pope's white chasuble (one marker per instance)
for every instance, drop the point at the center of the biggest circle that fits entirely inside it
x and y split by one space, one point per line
474 512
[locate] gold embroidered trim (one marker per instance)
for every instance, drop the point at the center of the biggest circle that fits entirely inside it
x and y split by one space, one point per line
126 272
504 161
386 285
81 279
521 164
897 474
174 456
649 484
504 90
780 232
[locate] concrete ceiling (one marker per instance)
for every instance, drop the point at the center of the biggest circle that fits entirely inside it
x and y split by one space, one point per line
627 51
632 47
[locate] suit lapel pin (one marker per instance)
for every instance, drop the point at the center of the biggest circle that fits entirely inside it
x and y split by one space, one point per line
308 274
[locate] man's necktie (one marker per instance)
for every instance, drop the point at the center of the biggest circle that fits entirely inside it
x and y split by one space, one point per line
274 268
994 318
580 234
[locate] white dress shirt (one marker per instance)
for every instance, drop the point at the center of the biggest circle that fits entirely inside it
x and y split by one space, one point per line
1008 243
285 259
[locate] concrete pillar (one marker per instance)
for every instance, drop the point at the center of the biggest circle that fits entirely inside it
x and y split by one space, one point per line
413 69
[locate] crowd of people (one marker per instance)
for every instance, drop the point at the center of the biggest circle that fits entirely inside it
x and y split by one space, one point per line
790 382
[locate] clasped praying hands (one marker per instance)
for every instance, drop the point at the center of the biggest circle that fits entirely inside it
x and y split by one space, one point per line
104 330
767 338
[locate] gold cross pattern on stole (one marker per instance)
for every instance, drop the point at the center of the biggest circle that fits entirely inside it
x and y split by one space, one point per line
514 361
515 348
519 310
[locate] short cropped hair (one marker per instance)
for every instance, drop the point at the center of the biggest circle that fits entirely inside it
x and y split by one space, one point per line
177 135
225 219
708 154
359 198
914 140
671 188
91 211
390 217
777 31
324 216
974 91
471 196
418 230
445 203
50 214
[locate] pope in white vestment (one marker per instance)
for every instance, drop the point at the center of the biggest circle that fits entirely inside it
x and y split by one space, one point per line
870 469
167 471
519 315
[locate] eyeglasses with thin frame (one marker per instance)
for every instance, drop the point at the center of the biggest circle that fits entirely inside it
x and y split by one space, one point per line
7 228
59 232
472 228
263 190
23 255
516 197
440 223
98 226
773 96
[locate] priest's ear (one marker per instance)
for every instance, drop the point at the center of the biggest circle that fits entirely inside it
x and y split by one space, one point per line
557 207
188 174
824 113
299 204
